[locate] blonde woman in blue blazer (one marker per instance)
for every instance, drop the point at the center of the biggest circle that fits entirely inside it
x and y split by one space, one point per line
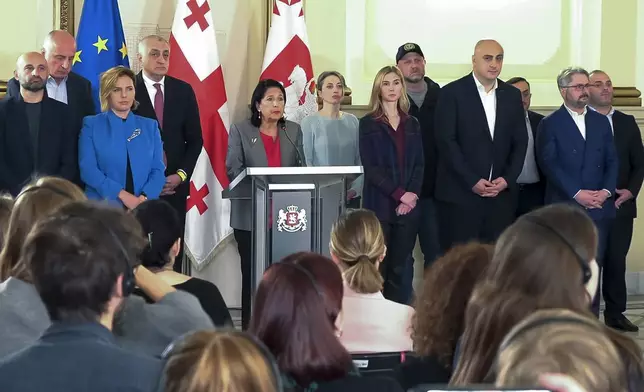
120 153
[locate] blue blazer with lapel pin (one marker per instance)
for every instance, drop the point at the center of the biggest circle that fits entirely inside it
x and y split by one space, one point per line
105 143
571 163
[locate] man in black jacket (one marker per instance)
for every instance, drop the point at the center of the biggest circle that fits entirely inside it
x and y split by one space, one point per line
173 104
62 85
36 137
481 138
423 94
531 186
630 153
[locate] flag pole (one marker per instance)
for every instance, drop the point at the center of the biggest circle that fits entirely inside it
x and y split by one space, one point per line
268 17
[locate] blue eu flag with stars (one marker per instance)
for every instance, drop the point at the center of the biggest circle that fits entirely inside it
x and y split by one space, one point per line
100 42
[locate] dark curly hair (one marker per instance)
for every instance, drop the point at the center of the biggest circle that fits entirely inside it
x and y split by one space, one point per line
440 306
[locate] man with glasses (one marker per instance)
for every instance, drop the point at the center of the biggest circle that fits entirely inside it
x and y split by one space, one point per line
530 183
630 154
576 152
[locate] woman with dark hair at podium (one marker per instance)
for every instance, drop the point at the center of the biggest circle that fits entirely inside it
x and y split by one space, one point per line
391 150
265 139
331 135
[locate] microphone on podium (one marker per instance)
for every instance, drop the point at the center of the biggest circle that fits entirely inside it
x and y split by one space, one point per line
297 151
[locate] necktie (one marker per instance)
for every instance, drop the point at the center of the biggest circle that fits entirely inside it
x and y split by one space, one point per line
158 104
158 110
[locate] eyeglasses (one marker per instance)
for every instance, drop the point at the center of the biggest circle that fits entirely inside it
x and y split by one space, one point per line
578 87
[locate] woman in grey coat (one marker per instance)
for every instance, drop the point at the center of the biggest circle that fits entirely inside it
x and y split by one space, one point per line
266 139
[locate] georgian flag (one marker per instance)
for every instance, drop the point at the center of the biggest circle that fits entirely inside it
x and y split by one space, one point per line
288 60
194 59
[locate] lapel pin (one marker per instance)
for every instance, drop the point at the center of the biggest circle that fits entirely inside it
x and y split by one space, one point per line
136 133
253 140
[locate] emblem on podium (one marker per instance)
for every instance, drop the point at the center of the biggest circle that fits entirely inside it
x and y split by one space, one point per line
291 220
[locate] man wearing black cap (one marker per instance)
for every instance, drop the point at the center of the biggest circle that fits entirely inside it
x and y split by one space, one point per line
482 138
423 94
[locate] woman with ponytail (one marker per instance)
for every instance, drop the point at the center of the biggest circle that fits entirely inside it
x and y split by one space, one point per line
162 228
370 323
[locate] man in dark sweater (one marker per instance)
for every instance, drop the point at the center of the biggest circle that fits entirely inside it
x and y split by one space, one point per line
36 137
423 94
80 260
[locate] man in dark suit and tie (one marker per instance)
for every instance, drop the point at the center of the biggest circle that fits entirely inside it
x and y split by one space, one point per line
530 183
576 151
173 104
36 137
59 49
630 155
481 137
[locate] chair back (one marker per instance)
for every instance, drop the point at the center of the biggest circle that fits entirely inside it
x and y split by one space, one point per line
380 364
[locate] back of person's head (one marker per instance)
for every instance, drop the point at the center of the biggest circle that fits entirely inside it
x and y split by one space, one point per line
564 342
6 204
79 257
540 258
440 305
213 361
296 308
630 355
545 254
358 244
161 225
36 201
489 315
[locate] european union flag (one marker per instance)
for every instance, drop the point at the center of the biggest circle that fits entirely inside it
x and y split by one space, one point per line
100 42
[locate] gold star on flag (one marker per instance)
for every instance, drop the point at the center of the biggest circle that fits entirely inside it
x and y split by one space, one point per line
100 44
77 58
123 50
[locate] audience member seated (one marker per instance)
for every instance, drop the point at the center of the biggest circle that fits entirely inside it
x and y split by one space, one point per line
145 327
161 225
358 247
6 204
295 314
440 313
545 260
221 361
564 342
80 260
23 317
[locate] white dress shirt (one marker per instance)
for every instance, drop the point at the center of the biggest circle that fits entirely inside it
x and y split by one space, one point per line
152 91
488 99
579 119
57 91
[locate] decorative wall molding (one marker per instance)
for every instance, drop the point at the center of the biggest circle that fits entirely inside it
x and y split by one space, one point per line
64 18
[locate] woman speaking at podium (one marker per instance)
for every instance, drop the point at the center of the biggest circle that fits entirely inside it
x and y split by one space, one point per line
265 139
391 150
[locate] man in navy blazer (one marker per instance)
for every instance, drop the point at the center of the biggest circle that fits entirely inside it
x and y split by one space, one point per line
36 137
577 154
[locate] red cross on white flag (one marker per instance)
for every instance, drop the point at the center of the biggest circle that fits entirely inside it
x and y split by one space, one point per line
194 59
288 60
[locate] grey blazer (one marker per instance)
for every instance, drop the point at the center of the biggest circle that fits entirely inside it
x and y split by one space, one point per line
246 149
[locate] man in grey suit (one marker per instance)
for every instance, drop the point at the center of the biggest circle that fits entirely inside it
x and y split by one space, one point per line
266 139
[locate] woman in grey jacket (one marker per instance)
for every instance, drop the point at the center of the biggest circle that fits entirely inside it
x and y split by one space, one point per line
266 139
